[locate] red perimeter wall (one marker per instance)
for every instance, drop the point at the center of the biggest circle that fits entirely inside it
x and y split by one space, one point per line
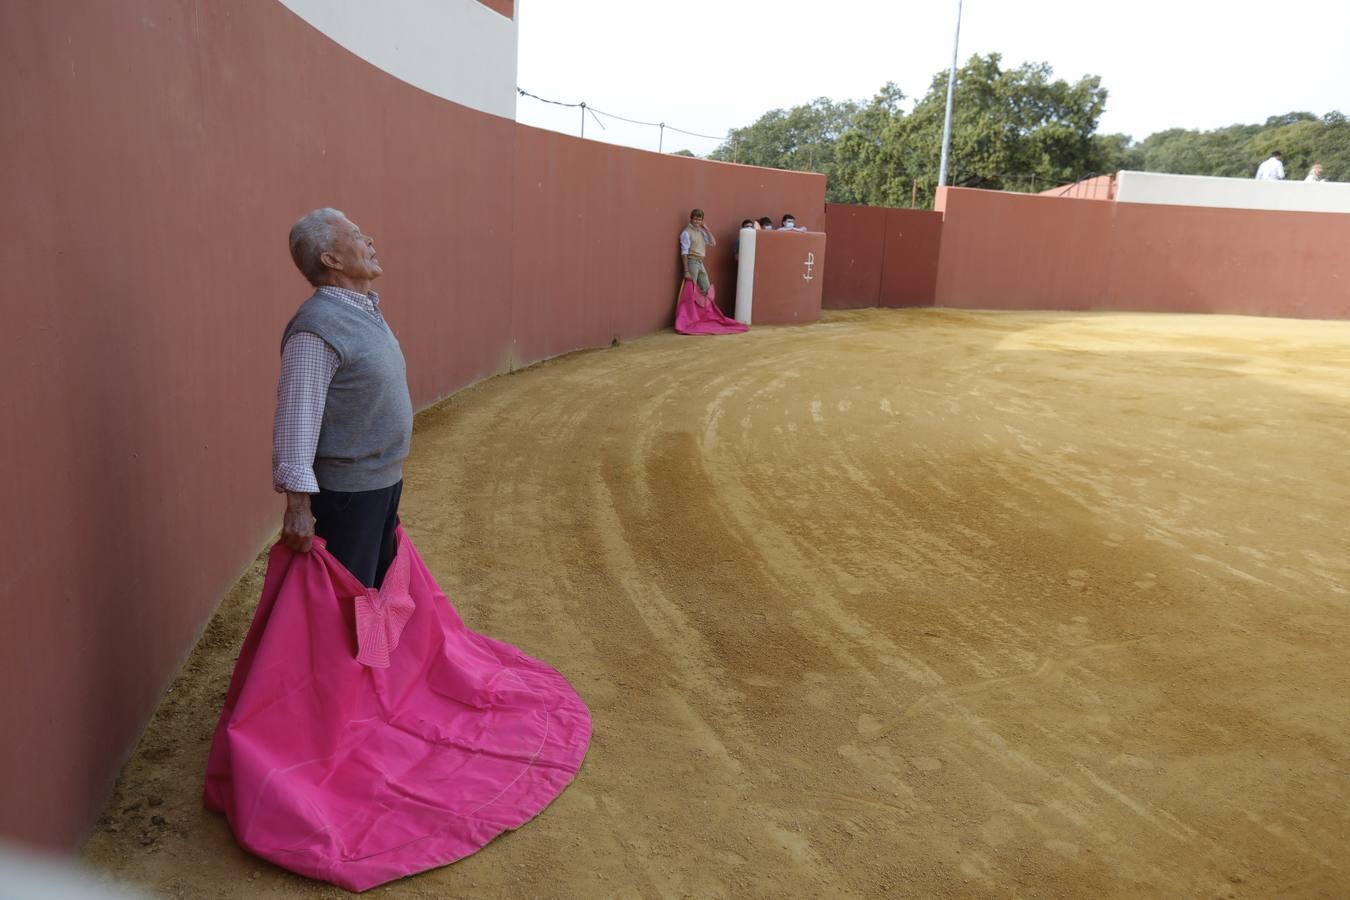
155 154
881 256
1020 251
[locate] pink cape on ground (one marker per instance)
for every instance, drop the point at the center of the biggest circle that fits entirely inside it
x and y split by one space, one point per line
696 313
369 735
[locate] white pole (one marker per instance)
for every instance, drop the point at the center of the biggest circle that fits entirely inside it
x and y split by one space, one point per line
745 276
951 93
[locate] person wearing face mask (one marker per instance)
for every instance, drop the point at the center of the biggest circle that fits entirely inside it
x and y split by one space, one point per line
790 223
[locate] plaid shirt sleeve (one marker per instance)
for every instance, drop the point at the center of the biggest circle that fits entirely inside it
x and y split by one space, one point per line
308 365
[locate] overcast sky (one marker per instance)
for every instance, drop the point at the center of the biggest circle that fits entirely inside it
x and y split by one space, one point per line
710 66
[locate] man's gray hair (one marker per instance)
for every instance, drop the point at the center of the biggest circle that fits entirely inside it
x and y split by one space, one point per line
310 238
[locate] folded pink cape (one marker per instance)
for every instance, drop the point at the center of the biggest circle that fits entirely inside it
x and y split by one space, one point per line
369 735
696 313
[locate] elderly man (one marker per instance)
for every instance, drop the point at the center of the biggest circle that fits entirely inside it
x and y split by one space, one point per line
344 419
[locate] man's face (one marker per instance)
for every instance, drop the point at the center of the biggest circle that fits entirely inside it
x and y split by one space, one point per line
696 221
354 251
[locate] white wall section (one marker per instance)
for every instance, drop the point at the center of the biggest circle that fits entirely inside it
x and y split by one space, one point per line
456 49
1236 193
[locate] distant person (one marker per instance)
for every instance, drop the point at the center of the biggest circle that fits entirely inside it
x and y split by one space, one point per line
1315 173
1272 169
694 243
765 223
790 223
736 248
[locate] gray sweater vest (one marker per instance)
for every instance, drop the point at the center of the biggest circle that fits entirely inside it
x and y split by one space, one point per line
698 247
367 419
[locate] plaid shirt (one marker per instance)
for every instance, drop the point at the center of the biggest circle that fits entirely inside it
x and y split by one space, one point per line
308 365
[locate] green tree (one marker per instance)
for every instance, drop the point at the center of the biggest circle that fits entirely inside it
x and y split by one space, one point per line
1113 152
1236 151
1223 151
801 138
863 159
1332 147
1012 129
1017 129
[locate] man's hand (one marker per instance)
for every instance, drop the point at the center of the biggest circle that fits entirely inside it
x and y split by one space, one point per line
297 528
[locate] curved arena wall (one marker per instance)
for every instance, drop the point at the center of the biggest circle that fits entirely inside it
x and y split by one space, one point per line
156 153
1022 251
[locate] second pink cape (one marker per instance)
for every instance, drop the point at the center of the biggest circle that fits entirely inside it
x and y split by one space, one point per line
698 314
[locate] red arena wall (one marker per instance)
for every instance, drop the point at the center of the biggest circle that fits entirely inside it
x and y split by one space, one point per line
156 154
881 256
1021 251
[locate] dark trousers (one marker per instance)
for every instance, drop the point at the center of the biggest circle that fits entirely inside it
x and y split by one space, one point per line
359 528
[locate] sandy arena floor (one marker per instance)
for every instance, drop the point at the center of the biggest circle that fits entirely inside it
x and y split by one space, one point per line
923 603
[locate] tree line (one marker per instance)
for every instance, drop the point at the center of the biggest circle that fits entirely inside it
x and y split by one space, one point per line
1017 129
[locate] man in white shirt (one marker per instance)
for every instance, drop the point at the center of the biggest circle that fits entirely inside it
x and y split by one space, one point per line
1315 173
695 240
1272 169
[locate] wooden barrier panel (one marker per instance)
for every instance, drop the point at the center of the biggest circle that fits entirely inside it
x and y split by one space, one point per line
881 256
857 248
788 277
910 268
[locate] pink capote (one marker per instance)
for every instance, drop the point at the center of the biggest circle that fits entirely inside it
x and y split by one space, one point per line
696 313
369 735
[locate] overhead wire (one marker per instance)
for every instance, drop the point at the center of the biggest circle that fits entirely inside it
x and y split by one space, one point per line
600 112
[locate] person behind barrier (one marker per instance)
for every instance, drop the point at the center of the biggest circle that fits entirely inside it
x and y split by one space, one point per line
790 223
765 223
344 418
1315 173
694 243
1272 169
736 247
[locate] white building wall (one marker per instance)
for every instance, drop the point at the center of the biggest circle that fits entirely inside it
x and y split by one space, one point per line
1238 193
456 49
